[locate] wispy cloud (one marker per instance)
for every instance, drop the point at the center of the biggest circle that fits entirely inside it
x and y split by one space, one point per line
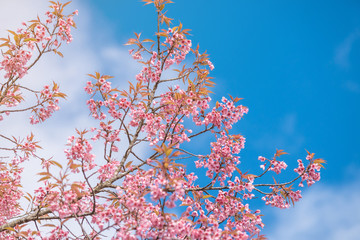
326 212
352 86
342 52
84 55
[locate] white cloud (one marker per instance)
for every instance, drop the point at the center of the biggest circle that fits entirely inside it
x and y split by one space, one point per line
342 52
13 13
326 212
86 54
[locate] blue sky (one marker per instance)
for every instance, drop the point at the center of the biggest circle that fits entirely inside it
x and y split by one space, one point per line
295 63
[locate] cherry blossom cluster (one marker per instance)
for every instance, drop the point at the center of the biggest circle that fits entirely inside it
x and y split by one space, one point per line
152 72
14 64
173 103
57 233
154 128
63 201
10 177
95 109
10 193
49 102
64 23
108 170
135 55
33 38
149 224
178 101
119 193
137 114
157 131
136 211
223 157
179 47
13 97
80 150
280 198
311 175
226 113
106 132
65 29
109 100
43 113
244 186
36 33
275 165
211 65
225 208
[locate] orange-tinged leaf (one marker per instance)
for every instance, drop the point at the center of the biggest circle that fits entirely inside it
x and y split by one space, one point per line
43 178
62 95
131 41
43 173
180 27
161 34
250 215
27 198
247 176
5 44
208 196
137 35
159 149
24 233
12 32
67 3
319 160
55 163
10 229
310 154
128 164
322 166
30 39
279 153
177 153
237 99
17 40
58 53
238 170
75 187
148 40
97 75
91 76
106 77
147 2
73 166
48 225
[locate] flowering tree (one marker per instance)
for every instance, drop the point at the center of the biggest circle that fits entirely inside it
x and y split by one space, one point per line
128 192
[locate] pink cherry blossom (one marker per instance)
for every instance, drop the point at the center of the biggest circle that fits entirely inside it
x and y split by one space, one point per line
139 171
